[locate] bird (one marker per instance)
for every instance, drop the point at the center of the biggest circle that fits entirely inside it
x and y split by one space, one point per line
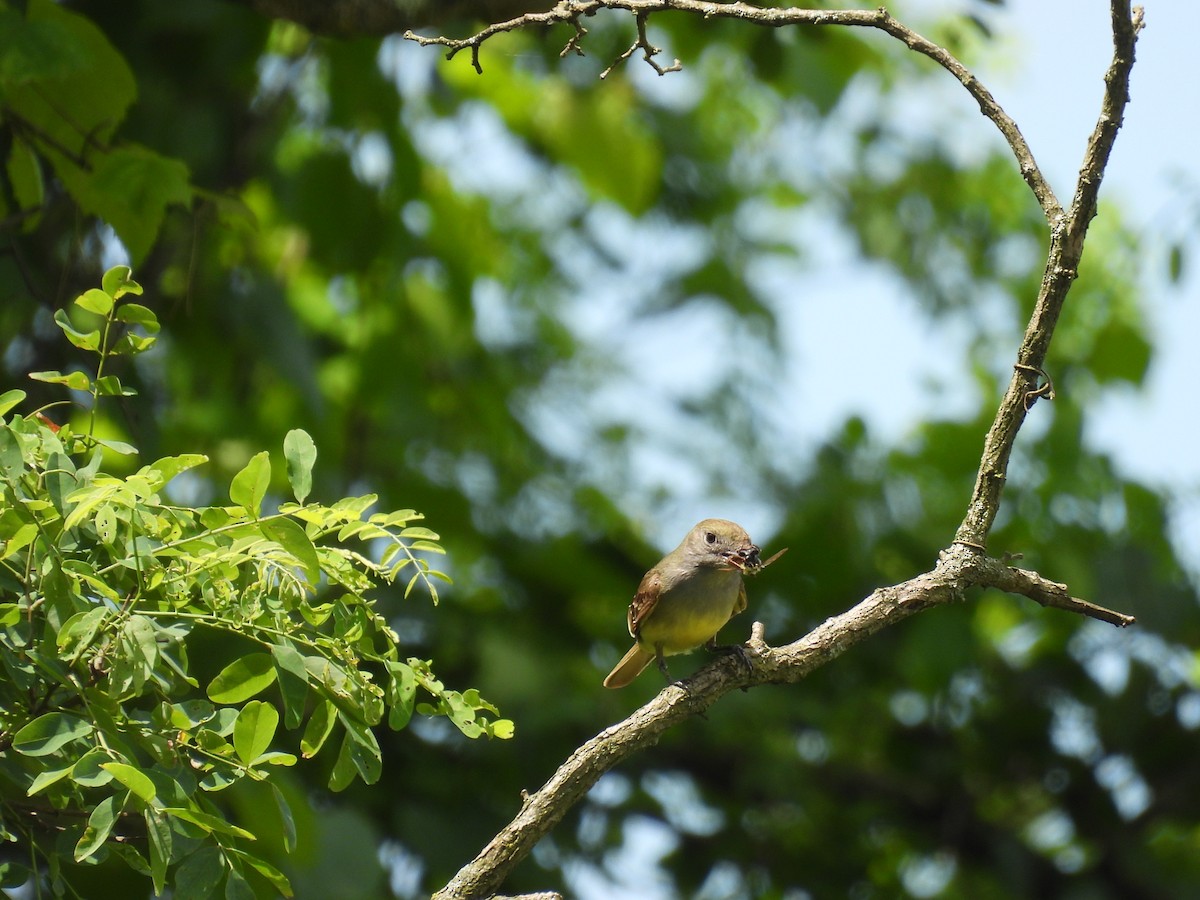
687 597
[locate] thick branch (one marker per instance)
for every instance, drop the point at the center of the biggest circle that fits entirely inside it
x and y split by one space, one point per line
1062 264
959 569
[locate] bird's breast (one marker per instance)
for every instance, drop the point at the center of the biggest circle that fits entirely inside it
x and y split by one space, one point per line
691 612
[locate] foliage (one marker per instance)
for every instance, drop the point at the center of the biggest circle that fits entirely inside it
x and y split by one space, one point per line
567 343
117 743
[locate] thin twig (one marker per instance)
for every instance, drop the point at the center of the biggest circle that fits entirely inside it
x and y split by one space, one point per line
571 10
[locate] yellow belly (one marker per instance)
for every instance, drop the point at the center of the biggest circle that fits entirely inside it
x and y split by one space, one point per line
682 622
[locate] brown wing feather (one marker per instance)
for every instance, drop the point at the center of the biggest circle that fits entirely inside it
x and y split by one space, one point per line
740 605
643 602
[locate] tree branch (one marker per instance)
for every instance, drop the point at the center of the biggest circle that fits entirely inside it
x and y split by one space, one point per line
570 11
964 565
1062 264
958 570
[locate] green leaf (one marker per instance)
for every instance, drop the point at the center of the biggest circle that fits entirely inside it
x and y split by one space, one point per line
208 821
418 531
118 446
48 733
363 752
300 453
84 340
502 728
250 485
254 730
29 187
285 818
110 386
402 690
76 381
9 399
130 187
266 870
320 725
292 538
45 779
237 888
99 826
96 301
161 471
344 768
242 679
136 314
117 283
159 829
134 779
198 876
89 769
293 682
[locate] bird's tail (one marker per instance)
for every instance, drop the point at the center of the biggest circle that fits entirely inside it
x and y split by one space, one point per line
630 667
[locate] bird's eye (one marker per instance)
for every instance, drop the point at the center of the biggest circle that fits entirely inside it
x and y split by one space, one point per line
710 537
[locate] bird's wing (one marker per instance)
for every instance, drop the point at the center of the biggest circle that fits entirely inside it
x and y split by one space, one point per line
740 605
644 601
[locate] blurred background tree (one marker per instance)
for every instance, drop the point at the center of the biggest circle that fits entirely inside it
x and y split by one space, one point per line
566 318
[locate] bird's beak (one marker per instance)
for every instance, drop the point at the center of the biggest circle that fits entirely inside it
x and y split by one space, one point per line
746 557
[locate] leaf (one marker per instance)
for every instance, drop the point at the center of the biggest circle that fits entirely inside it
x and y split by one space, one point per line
208 821
361 752
300 453
136 314
344 769
76 381
254 730
96 301
80 630
237 888
293 682
402 689
242 679
28 186
99 826
84 340
89 769
45 779
161 471
159 830
110 386
291 537
198 876
47 733
250 485
118 446
9 399
320 725
134 779
266 870
285 818
130 187
418 531
117 283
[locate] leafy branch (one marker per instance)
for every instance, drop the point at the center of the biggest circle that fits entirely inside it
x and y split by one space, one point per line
106 589
963 565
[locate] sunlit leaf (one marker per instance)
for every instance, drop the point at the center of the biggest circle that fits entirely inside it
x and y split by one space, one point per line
300 453
242 679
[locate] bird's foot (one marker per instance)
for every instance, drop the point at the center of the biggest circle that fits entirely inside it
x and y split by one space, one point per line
738 650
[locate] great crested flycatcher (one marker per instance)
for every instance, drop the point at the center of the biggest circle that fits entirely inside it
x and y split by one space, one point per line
684 600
